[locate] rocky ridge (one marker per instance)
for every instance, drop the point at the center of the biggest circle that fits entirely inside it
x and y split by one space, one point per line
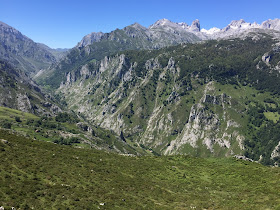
235 28
161 34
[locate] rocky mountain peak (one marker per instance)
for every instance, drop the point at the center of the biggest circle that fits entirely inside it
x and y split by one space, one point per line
137 26
195 26
240 25
169 25
161 22
136 30
183 25
8 33
90 38
271 24
5 26
237 23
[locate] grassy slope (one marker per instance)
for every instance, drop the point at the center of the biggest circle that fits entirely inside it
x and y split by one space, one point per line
48 129
9 115
43 175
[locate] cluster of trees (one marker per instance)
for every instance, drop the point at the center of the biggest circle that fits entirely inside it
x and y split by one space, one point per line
263 135
66 117
44 122
256 115
67 141
263 142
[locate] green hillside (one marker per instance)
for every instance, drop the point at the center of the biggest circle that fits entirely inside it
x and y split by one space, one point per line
65 128
42 175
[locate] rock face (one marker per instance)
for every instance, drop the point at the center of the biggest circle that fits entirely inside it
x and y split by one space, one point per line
118 111
206 127
276 152
195 26
271 24
90 38
270 59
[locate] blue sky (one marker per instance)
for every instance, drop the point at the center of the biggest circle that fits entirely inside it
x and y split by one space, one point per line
63 23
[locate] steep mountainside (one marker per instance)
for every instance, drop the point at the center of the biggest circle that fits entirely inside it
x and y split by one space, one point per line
19 92
22 52
208 99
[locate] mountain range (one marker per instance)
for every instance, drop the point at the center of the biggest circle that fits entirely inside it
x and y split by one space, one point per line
164 26
171 88
161 34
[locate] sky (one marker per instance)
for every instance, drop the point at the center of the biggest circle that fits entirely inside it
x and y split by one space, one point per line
63 23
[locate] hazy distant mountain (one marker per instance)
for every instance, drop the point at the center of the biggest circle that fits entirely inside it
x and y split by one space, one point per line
59 53
24 53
